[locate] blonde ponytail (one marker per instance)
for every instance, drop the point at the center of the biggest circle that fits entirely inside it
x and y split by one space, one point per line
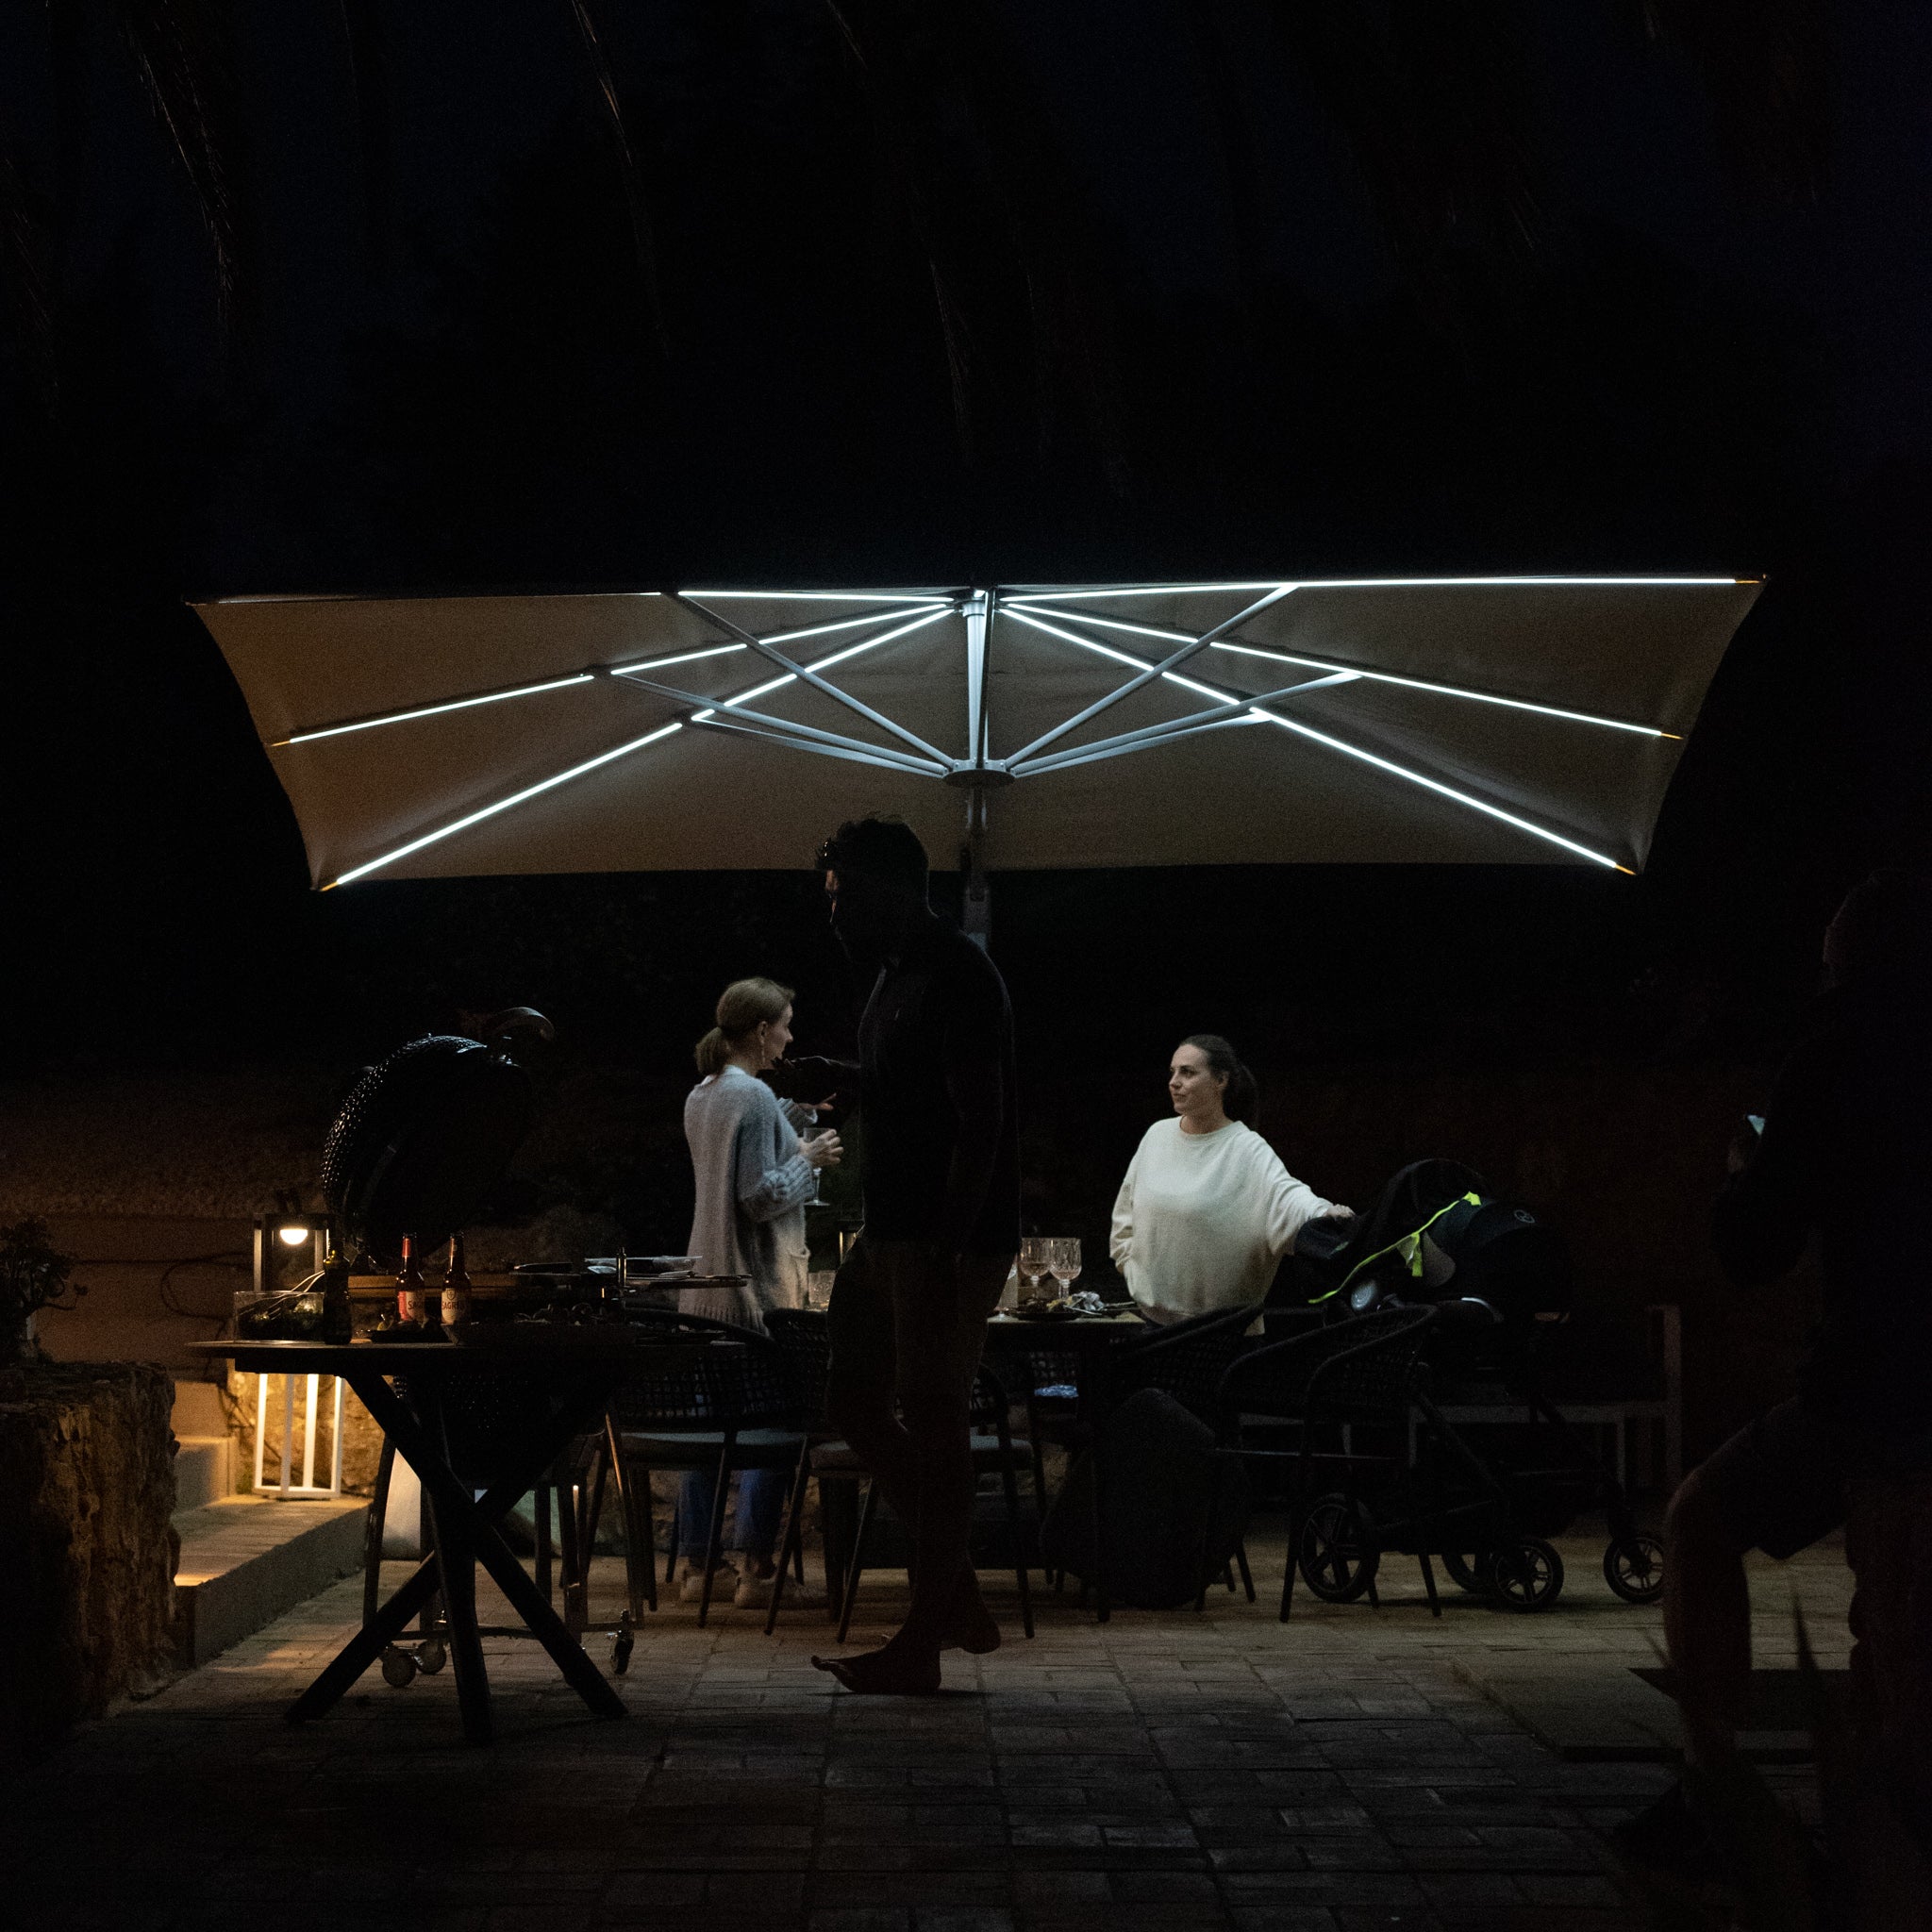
743 1005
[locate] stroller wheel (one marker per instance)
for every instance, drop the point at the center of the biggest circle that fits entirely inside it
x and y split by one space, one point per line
398 1668
1524 1575
1337 1552
1463 1572
1634 1568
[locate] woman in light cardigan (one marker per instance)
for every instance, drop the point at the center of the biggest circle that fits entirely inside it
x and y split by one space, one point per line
1207 1209
754 1177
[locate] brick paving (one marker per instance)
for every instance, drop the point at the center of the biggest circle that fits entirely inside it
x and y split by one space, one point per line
1168 1771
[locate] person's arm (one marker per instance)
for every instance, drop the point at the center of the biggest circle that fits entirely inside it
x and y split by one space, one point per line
1288 1204
1767 1209
815 1080
764 1184
975 1085
1120 1237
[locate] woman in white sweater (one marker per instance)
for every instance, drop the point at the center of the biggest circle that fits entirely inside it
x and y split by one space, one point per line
754 1177
1207 1209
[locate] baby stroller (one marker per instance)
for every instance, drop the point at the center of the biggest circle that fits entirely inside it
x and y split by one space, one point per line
1500 1278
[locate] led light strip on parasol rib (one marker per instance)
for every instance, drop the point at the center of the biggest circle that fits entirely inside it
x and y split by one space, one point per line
588 675
530 792
825 664
1381 764
1047 596
1446 691
488 697
489 811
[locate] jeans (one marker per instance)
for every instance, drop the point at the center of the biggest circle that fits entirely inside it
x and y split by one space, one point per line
753 1529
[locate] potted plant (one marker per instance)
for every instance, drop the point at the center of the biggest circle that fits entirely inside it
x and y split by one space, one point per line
33 1275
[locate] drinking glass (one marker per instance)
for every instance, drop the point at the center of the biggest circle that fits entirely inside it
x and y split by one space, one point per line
1034 1254
818 1288
1063 1262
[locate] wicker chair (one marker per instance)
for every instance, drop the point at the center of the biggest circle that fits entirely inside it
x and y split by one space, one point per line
737 1409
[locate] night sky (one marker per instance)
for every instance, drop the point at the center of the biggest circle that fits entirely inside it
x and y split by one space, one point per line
1206 336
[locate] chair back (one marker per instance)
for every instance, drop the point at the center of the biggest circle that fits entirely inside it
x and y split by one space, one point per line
991 1406
804 1337
1187 1360
743 1381
1359 1371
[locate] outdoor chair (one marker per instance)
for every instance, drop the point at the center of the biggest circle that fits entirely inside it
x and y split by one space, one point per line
738 1408
806 1340
1186 1361
1359 1374
995 1452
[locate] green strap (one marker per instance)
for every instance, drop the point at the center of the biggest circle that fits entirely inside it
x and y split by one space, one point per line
1415 1261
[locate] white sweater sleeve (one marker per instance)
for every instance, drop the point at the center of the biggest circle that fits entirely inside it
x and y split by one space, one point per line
1290 1204
1121 1238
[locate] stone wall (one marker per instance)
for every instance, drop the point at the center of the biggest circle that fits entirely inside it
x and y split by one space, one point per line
87 1487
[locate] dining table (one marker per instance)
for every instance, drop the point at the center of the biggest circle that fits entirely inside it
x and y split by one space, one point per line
480 1421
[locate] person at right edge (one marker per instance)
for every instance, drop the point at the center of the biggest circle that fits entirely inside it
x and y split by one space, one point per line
942 1176
1845 1155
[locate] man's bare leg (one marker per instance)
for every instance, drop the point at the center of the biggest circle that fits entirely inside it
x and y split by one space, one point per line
1706 1625
939 1337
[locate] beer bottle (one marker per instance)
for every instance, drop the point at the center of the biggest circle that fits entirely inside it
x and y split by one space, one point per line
413 1291
456 1288
338 1318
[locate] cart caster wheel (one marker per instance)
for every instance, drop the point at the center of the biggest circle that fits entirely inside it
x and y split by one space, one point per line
619 1651
1335 1550
1465 1573
431 1656
1524 1575
1634 1568
398 1668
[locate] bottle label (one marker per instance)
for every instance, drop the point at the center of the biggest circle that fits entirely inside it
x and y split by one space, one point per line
456 1306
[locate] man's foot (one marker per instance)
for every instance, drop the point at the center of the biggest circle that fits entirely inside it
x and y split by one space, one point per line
889 1672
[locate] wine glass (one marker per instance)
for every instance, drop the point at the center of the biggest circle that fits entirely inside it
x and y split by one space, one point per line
1063 1262
1034 1254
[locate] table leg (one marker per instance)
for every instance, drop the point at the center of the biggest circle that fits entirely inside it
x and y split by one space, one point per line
544 1624
456 1558
474 1524
368 1644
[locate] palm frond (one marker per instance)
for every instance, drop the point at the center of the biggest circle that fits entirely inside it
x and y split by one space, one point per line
611 111
181 48
1766 68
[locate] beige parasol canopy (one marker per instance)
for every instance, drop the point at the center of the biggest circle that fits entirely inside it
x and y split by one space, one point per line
1479 719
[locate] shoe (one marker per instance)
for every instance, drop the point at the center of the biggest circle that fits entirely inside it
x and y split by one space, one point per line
753 1592
691 1582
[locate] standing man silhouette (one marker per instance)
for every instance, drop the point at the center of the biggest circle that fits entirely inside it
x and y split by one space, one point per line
942 1176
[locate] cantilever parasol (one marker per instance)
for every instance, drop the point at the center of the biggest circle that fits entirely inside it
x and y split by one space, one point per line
1435 719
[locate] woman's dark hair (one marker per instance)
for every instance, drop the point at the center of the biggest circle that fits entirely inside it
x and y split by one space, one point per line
1243 1098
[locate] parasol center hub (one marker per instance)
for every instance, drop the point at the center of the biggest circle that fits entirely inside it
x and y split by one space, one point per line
979 778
